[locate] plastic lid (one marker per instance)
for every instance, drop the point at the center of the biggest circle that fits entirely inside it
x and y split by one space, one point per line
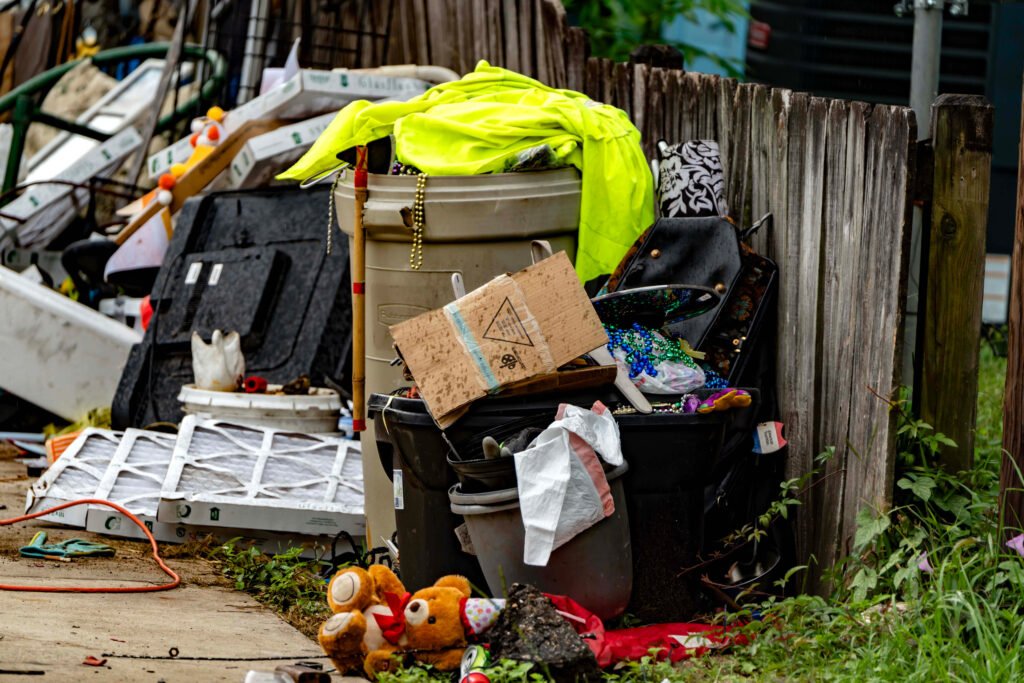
317 399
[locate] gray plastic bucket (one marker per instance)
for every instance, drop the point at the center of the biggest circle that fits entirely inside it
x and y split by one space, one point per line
595 568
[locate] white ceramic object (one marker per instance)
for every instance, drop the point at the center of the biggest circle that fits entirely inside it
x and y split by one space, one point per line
219 365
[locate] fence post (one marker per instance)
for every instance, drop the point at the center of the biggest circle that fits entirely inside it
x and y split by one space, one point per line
1011 486
953 271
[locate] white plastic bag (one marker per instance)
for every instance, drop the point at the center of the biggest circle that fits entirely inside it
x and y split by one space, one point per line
672 378
559 496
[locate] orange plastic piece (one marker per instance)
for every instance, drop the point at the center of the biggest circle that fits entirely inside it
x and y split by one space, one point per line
56 446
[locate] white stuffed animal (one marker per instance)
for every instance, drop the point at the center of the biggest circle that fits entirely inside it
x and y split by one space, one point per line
219 365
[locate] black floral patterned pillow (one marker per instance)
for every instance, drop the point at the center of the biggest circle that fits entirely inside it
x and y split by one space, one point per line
690 180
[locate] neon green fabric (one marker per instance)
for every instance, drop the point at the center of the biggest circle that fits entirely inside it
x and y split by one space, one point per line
484 122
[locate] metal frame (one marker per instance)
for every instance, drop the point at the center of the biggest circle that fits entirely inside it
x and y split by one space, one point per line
25 111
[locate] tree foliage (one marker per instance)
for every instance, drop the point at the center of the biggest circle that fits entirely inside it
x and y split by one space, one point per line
616 27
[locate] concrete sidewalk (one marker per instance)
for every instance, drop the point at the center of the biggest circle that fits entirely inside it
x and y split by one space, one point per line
55 632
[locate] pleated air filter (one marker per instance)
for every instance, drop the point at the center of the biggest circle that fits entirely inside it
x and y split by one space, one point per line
257 478
134 479
76 474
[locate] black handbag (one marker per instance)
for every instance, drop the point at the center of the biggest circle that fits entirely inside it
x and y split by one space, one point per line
707 251
701 251
740 319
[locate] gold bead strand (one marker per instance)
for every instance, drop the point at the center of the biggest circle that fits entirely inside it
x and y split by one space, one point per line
330 212
418 221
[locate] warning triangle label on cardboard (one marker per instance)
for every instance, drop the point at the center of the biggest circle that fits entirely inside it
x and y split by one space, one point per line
507 327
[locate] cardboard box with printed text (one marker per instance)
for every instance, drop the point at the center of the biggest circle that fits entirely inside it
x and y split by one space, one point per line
513 328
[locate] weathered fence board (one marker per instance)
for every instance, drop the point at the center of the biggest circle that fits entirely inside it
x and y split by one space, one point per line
962 140
1011 474
838 178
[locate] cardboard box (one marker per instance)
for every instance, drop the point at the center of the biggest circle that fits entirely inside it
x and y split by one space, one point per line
307 93
47 209
265 155
513 328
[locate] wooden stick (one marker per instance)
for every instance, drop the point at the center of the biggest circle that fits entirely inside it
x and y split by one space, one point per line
202 174
359 297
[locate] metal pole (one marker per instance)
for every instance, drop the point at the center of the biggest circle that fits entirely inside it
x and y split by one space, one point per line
924 88
924 69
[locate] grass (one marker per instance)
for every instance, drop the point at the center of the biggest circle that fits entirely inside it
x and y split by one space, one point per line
888 620
961 622
287 583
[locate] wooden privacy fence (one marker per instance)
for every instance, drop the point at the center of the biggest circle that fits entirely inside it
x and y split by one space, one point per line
840 179
1011 476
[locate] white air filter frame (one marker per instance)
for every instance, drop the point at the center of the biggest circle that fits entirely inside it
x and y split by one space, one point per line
249 477
75 475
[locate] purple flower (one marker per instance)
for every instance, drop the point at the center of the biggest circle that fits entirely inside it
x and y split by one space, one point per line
923 564
1017 543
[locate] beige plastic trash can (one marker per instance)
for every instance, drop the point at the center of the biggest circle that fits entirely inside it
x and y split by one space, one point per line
477 226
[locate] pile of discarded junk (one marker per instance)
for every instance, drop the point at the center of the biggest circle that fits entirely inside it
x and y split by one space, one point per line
530 362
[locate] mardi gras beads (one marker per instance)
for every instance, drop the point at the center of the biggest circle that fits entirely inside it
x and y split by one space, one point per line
645 349
712 380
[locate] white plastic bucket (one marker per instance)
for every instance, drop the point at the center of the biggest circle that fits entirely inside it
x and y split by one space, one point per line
315 413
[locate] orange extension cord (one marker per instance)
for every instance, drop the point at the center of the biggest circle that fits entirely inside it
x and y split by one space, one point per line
92 589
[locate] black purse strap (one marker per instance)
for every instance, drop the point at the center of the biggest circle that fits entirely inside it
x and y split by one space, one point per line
768 218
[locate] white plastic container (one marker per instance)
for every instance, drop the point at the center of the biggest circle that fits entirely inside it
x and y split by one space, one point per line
57 353
315 413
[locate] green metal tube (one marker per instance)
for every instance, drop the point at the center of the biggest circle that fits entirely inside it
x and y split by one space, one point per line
20 122
46 80
21 99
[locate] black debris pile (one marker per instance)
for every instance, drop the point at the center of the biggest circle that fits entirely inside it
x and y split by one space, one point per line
531 630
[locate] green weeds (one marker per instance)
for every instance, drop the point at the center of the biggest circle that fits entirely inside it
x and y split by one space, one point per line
286 583
930 593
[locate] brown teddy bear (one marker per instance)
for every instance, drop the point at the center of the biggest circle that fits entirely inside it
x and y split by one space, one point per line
377 623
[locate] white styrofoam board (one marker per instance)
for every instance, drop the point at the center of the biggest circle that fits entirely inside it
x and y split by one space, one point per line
995 307
57 353
308 93
75 475
267 479
265 155
47 209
